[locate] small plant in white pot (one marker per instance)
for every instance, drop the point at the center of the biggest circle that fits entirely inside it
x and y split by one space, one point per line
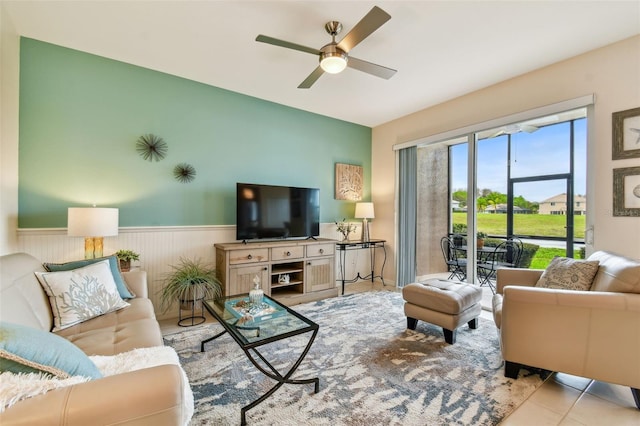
188 283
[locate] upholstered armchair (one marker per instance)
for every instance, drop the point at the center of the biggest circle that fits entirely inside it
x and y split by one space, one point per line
593 333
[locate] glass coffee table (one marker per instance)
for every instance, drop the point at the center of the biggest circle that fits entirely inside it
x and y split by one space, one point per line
254 326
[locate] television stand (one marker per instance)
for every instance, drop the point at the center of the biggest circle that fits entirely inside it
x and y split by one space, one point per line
290 271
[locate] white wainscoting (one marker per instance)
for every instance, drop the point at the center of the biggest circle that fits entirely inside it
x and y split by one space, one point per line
159 248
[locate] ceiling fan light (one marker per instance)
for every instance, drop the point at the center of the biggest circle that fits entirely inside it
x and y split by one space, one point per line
333 62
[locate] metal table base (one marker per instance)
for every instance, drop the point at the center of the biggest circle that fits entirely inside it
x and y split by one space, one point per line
258 359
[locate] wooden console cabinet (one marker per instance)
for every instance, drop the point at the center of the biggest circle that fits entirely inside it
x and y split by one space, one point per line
308 264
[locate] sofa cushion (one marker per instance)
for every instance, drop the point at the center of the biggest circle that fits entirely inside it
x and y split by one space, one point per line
113 340
616 273
138 309
114 264
569 274
81 294
28 350
116 332
22 298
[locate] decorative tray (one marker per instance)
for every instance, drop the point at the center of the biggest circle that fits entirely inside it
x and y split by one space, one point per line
247 312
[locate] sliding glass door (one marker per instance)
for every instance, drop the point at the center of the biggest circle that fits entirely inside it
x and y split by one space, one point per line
524 180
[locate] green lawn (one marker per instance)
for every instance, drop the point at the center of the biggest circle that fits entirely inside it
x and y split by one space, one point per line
529 224
544 256
525 224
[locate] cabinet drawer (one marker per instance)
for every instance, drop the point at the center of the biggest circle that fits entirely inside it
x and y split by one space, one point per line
237 257
284 253
318 250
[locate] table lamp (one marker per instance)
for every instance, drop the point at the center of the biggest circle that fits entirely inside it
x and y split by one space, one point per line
364 211
93 223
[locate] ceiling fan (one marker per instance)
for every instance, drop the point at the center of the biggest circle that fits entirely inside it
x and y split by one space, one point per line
511 129
334 57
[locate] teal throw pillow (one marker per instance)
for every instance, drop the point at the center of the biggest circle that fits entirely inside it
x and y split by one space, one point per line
114 263
29 350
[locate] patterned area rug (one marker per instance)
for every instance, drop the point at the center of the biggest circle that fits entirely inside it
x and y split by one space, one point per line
373 371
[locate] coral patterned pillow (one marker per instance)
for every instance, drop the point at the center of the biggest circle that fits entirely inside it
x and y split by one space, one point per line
114 264
569 274
81 294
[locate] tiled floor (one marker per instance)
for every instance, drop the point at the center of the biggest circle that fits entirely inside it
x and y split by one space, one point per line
562 400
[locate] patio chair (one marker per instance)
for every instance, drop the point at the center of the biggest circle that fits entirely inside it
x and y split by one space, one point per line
457 267
506 255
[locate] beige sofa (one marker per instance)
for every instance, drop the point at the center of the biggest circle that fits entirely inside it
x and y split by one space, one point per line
593 334
151 396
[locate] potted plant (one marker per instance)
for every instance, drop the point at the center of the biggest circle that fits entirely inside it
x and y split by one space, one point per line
480 239
190 282
125 257
345 228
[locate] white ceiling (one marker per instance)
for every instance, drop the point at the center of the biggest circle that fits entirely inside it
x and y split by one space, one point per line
441 49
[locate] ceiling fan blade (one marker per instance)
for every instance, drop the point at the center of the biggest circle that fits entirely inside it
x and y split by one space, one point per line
369 68
313 77
363 29
276 42
528 128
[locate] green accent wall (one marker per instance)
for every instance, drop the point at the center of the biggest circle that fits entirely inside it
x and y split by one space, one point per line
81 115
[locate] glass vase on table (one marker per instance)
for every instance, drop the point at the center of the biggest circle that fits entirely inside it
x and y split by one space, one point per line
256 295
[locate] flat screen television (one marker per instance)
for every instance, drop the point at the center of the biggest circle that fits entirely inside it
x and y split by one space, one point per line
276 212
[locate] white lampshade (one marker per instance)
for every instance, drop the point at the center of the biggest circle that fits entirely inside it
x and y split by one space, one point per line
364 211
92 222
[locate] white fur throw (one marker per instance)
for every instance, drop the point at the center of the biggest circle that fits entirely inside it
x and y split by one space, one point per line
16 387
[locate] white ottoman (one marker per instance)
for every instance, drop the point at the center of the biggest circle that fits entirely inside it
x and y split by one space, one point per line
445 303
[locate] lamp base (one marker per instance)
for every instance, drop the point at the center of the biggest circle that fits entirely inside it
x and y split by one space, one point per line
365 230
93 247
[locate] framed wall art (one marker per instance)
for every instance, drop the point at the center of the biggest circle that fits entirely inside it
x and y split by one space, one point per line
626 192
349 182
626 134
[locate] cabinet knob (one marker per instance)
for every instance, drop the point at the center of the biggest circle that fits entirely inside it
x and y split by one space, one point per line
308 263
265 268
321 251
288 253
249 257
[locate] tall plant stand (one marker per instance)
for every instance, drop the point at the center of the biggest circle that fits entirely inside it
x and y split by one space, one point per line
192 319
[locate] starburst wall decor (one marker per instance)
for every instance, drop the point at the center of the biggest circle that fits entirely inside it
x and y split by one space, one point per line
184 173
151 147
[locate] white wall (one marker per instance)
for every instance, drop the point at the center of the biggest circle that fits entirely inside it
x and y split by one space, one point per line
612 73
9 95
